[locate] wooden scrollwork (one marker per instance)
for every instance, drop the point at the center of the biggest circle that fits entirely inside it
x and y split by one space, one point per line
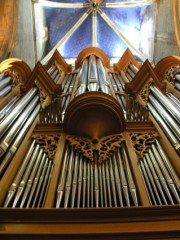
104 146
142 141
48 143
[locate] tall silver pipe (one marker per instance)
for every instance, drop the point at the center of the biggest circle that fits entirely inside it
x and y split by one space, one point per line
36 180
31 178
84 183
80 181
103 84
83 77
93 84
5 91
5 82
3 75
147 183
16 143
9 137
165 102
25 176
96 184
133 68
165 173
112 180
104 185
19 174
168 164
108 183
168 119
88 184
129 176
117 180
45 183
123 178
155 176
153 184
69 178
6 109
75 178
40 184
92 184
174 99
100 185
8 121
165 128
61 184
161 177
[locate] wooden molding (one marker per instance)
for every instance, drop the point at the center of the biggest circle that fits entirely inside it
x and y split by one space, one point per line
17 67
62 64
43 78
110 223
126 58
94 115
145 73
164 64
95 51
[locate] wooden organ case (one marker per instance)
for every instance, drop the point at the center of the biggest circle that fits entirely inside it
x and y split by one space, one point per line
90 152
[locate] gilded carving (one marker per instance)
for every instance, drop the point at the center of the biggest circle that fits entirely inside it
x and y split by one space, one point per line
16 77
48 143
142 141
169 76
104 146
42 93
144 93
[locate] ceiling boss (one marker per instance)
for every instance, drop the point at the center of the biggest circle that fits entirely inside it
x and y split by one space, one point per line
95 3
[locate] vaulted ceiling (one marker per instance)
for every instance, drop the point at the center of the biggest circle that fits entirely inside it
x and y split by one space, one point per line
112 25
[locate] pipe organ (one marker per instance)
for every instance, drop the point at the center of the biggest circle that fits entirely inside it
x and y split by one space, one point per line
95 140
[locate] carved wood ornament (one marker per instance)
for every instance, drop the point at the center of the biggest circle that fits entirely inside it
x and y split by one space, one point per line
142 141
48 143
104 146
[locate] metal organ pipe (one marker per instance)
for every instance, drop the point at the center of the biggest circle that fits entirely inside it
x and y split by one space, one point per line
166 129
30 184
93 83
167 118
167 114
103 84
8 121
161 181
8 108
165 102
87 184
173 99
16 143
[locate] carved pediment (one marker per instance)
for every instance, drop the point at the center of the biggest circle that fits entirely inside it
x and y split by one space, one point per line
139 86
124 61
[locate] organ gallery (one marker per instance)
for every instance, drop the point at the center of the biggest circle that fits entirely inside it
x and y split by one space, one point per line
90 150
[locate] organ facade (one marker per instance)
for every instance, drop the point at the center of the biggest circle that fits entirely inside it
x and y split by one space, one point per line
91 150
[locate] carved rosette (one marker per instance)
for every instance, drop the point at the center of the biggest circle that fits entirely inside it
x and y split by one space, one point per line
142 142
144 92
48 143
169 76
104 146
